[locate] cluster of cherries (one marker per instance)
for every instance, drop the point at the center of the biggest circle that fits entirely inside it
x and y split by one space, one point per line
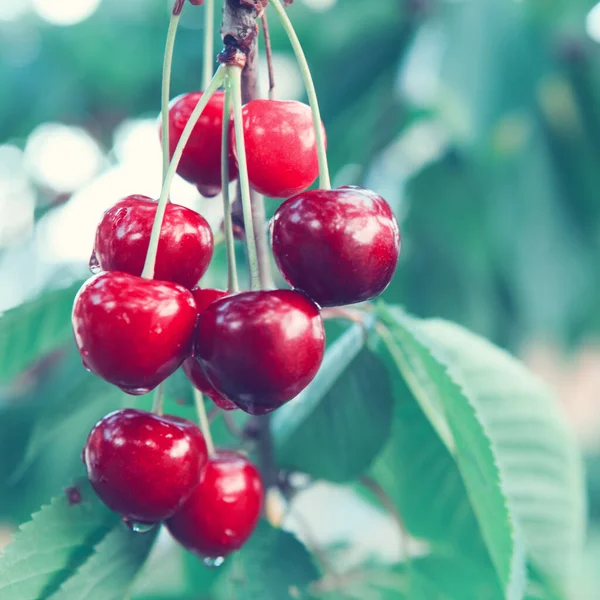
253 350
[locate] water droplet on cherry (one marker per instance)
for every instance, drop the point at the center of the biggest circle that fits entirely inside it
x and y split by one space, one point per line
94 264
133 391
209 191
137 527
213 562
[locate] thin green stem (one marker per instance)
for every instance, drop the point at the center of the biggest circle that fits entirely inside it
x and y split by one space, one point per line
216 82
324 179
234 75
204 424
166 88
209 41
269 54
232 276
159 399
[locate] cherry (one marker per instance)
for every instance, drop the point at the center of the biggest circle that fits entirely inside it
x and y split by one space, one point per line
133 332
260 349
144 466
338 246
204 298
201 160
224 508
184 250
281 147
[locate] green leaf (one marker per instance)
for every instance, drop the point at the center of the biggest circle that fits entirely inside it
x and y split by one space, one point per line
438 577
433 577
538 459
68 421
436 390
31 330
50 547
273 565
384 582
109 573
349 426
319 431
470 384
337 358
420 476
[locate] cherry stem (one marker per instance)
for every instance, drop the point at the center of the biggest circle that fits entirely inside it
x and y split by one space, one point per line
148 272
159 399
166 85
350 314
233 285
209 41
269 53
324 178
234 75
204 424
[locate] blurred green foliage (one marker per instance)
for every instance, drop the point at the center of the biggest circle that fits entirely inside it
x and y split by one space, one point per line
501 226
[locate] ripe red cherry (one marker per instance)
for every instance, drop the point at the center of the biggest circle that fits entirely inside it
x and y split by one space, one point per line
204 298
281 147
260 349
338 246
133 332
201 160
224 508
185 245
144 466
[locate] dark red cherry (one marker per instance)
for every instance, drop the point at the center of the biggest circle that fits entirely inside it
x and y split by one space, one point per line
184 250
260 349
144 466
201 160
204 298
338 246
133 332
196 375
281 147
224 508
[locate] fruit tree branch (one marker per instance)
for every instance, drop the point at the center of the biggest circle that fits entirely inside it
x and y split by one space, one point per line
239 29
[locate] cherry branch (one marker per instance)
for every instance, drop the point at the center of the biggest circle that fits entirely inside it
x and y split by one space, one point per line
239 31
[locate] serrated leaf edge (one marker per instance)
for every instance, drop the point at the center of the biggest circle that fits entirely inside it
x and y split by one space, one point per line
518 571
30 523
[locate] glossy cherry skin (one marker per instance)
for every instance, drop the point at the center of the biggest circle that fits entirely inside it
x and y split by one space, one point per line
133 332
338 246
224 508
185 245
144 466
260 349
201 160
194 372
281 147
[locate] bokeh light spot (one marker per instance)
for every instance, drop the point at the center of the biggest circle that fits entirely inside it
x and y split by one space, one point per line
65 12
61 157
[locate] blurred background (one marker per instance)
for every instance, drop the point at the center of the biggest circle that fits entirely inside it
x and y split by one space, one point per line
479 120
